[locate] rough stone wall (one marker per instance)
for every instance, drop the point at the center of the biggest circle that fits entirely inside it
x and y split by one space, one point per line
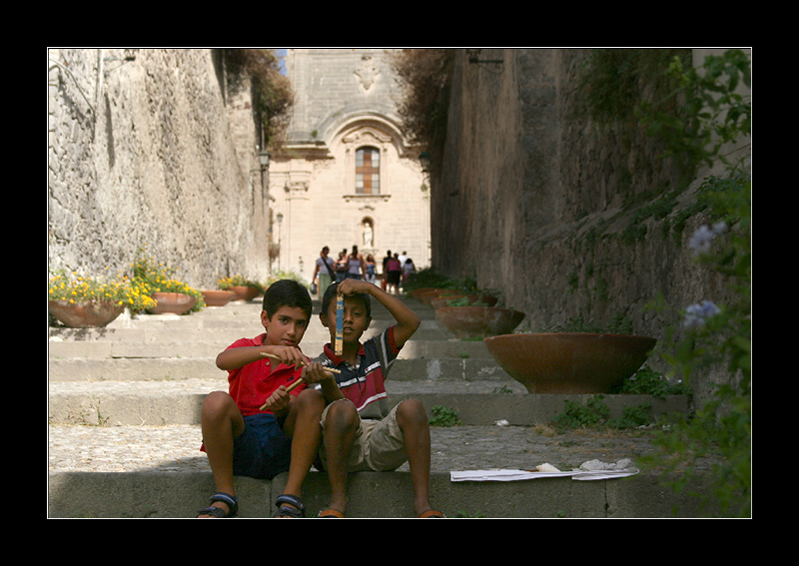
535 202
145 157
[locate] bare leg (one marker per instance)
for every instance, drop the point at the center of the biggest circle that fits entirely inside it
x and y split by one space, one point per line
302 425
340 428
221 424
412 419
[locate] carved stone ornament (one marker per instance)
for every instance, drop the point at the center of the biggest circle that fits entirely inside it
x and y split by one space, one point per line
367 72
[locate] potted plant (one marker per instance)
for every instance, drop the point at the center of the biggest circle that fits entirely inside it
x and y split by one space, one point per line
576 359
457 300
81 302
245 289
171 295
217 297
476 321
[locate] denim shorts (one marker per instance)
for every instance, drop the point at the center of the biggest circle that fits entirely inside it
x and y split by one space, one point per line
263 450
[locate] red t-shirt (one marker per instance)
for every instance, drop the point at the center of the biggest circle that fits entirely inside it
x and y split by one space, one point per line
251 385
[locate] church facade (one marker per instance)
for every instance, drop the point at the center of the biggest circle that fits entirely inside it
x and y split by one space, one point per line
346 175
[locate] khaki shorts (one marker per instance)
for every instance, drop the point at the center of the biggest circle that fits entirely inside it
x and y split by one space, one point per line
378 446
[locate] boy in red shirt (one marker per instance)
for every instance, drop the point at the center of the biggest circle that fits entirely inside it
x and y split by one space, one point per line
259 429
360 431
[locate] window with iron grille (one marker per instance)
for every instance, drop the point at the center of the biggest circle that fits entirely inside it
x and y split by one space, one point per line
367 171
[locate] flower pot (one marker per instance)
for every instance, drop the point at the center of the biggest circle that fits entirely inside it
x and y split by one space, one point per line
83 314
570 362
442 301
175 303
217 297
476 322
243 293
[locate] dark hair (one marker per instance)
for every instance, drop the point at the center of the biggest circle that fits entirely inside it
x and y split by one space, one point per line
330 296
287 293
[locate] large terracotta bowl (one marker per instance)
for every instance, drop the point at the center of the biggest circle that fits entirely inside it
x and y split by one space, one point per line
85 314
173 303
243 293
217 297
570 362
477 322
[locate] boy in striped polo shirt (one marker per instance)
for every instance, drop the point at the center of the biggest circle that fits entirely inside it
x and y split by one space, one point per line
360 432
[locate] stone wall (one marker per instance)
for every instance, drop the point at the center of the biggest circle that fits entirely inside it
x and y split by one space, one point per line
535 202
141 153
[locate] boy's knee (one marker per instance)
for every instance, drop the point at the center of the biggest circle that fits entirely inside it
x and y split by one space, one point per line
311 399
411 412
342 415
216 403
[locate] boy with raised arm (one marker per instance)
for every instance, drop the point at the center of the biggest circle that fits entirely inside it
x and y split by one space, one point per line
360 432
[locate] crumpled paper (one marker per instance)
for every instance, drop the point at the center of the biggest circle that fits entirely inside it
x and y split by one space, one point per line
590 470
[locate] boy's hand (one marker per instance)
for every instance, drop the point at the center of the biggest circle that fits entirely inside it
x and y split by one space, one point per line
354 286
286 354
315 372
278 401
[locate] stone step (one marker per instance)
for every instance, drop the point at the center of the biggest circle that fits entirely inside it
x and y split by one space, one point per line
137 345
138 369
162 403
383 495
139 471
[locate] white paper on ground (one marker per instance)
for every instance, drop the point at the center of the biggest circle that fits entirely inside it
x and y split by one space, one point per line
516 475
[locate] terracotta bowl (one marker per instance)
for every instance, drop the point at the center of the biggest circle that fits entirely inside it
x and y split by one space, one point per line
217 297
570 362
476 322
243 293
85 314
174 303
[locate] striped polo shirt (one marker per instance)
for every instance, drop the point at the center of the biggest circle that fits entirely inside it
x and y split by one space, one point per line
364 383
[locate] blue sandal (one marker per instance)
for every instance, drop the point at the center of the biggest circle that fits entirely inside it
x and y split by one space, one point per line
296 512
218 512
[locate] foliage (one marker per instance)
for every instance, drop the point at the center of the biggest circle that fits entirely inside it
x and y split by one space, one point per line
711 114
274 95
577 415
73 288
594 415
711 337
424 79
464 302
618 324
648 382
444 416
238 281
429 277
154 277
614 82
279 274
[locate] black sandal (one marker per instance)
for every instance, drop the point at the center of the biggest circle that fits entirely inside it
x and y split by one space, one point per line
286 511
218 512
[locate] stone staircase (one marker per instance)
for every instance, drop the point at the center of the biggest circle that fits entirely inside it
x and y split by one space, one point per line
123 427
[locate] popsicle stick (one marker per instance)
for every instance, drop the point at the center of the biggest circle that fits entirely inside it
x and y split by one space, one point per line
291 387
339 325
276 358
279 359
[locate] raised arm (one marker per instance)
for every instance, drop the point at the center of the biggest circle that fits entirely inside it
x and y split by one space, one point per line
407 320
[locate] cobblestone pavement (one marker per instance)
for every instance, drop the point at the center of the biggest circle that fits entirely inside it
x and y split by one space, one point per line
176 448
